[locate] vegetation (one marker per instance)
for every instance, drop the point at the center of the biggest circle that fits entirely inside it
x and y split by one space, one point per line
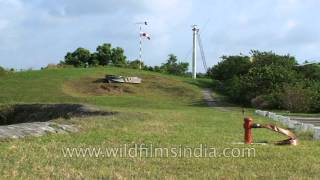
105 55
269 81
163 112
2 71
173 67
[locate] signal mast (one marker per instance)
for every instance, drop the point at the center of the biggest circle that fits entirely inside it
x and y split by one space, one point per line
141 35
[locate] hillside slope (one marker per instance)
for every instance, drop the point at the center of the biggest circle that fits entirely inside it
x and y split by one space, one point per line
84 85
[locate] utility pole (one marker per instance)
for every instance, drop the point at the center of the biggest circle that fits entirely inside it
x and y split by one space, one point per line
194 53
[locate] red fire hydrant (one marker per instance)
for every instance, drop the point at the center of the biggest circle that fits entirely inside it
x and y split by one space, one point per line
248 139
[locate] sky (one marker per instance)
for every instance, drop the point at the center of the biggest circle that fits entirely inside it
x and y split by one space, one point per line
34 33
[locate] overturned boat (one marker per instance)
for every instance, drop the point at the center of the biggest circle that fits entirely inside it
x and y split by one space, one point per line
122 79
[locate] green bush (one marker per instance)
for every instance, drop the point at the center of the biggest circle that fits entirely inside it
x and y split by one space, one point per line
315 96
229 67
269 81
296 98
172 66
269 101
135 64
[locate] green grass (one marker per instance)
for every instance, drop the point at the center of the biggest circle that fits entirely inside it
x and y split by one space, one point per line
163 114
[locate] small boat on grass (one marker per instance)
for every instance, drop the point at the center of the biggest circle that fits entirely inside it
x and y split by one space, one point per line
122 79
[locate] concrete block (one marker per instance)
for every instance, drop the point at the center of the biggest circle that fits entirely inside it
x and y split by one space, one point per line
316 134
291 124
284 121
260 113
298 126
270 114
307 127
281 118
274 117
265 113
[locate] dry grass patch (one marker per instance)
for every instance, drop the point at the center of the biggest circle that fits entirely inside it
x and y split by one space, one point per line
151 86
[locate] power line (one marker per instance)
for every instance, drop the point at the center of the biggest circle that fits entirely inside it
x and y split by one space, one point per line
203 57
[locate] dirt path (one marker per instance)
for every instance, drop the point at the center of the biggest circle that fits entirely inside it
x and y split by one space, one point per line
211 102
207 96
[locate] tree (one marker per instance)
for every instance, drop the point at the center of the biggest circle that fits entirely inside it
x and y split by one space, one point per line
267 79
79 58
260 59
172 67
118 57
268 73
256 79
229 67
157 69
311 72
148 68
94 59
104 54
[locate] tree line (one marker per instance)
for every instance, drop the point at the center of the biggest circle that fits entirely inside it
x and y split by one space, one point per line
106 55
267 80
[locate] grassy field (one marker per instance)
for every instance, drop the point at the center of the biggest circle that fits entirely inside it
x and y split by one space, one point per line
164 111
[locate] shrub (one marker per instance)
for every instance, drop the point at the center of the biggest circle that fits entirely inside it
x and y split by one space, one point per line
265 102
315 96
296 98
172 66
267 81
53 66
135 64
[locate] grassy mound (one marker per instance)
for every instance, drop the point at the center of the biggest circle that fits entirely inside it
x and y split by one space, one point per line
83 86
151 86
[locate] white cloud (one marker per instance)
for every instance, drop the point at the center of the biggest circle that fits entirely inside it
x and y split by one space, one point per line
43 31
291 24
3 24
